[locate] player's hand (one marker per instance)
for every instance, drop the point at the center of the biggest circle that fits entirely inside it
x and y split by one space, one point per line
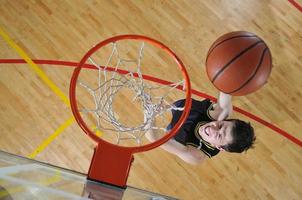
225 113
225 104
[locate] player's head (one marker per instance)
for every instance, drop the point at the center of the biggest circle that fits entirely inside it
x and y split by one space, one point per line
230 135
243 137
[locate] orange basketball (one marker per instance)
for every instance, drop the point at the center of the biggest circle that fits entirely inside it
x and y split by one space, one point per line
238 63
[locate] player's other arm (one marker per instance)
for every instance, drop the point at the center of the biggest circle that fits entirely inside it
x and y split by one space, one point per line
223 108
188 153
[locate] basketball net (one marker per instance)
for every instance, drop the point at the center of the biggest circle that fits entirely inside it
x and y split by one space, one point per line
111 80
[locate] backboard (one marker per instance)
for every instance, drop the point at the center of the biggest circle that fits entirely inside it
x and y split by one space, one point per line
22 178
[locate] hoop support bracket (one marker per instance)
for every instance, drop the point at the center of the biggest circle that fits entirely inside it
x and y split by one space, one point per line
110 165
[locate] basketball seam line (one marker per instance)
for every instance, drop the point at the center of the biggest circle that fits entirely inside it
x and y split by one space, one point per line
258 66
233 59
238 36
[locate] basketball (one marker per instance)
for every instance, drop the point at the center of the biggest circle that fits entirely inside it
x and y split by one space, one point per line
238 63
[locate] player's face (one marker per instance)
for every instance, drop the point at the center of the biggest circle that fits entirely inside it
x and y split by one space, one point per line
217 133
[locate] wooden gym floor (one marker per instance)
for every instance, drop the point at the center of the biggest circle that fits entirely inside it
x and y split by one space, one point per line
31 113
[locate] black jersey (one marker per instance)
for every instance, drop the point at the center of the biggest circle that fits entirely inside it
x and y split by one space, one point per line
188 133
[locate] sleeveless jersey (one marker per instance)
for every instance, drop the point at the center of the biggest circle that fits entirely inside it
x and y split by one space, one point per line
188 133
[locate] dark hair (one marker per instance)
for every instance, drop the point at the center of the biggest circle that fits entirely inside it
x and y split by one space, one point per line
243 137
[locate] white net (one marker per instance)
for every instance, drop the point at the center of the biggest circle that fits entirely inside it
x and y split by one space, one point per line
118 88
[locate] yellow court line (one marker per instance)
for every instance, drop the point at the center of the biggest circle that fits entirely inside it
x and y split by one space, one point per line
97 131
46 142
50 84
35 67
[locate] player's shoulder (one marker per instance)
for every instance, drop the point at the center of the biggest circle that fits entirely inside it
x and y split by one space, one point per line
201 104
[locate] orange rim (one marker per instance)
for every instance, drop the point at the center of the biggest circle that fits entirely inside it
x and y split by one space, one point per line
82 124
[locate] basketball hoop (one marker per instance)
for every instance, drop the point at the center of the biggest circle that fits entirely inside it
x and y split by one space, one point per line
120 73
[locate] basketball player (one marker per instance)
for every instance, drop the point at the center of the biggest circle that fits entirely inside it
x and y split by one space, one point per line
206 131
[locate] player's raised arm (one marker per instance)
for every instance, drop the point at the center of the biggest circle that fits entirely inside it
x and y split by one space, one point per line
223 108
